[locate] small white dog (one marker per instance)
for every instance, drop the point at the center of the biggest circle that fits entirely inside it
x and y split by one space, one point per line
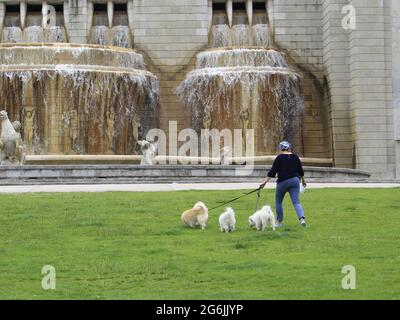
227 220
262 218
197 216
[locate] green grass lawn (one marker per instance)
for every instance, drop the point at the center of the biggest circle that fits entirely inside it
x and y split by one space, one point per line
133 246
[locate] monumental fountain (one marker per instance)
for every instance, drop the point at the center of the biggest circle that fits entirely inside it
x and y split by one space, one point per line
241 83
74 99
93 103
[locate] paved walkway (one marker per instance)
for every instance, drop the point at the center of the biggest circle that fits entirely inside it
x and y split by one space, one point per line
174 187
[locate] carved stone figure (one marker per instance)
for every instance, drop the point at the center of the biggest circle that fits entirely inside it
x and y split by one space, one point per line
225 151
29 116
135 128
73 128
244 120
149 151
21 148
207 120
110 116
9 142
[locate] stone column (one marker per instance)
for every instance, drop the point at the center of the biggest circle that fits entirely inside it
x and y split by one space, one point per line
2 13
131 22
336 63
269 6
368 88
110 13
396 80
249 10
229 11
66 17
210 14
22 9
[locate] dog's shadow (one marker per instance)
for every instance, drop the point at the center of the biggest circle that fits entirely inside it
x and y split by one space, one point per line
283 232
170 232
251 238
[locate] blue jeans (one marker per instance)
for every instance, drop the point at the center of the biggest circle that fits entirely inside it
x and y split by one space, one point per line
293 187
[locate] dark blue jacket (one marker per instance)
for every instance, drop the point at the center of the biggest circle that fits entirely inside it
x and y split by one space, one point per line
287 166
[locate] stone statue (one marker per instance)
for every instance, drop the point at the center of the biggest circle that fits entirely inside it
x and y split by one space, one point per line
225 151
10 142
149 151
29 116
244 120
73 128
110 117
21 148
207 120
135 129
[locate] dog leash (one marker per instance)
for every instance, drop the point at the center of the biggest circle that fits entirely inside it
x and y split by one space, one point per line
237 198
258 198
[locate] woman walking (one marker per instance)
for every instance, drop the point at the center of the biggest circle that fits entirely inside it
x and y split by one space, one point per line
290 171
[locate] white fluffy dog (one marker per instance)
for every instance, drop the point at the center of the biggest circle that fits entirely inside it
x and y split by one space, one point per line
197 216
262 218
227 220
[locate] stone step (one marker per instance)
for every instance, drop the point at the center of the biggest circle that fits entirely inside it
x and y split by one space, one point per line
115 174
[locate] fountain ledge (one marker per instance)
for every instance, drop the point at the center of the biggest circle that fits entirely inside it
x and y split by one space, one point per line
134 173
135 159
66 46
244 48
71 68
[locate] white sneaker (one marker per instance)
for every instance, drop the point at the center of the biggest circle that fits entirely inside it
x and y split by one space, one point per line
303 222
278 225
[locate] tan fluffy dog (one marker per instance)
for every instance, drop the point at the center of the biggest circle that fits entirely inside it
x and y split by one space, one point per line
197 216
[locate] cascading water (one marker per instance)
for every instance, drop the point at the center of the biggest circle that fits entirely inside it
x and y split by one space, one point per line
220 36
33 34
244 88
101 35
240 35
121 37
73 99
12 35
55 34
118 35
246 57
260 35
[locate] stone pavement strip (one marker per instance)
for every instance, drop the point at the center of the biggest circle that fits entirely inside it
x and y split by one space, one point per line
173 187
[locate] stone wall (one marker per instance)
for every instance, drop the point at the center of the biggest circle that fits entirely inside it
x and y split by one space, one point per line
395 28
358 70
297 30
169 34
336 67
77 14
370 102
